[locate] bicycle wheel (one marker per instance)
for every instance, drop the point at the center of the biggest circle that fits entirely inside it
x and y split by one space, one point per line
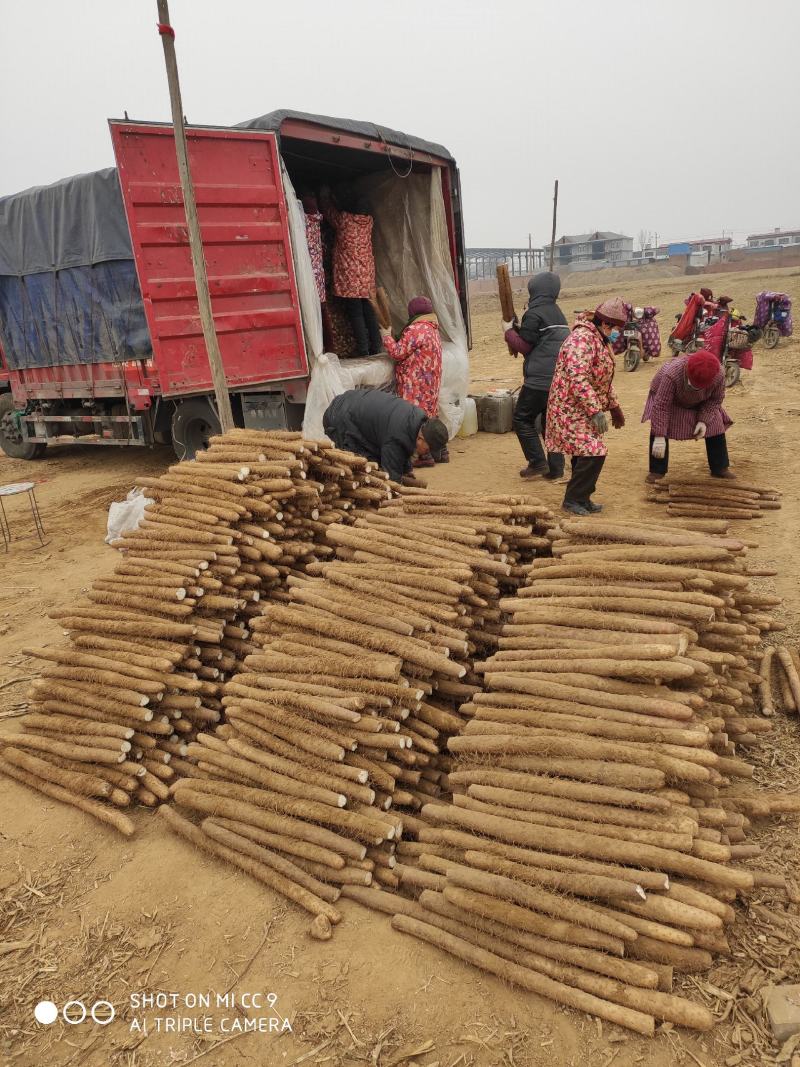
771 335
631 360
733 373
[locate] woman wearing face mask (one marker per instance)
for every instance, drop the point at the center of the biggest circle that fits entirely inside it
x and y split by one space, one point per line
581 394
685 404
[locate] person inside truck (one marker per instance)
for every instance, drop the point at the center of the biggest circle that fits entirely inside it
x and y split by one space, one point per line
383 428
417 355
353 263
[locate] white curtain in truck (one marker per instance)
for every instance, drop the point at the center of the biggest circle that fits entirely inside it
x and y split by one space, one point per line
329 377
412 258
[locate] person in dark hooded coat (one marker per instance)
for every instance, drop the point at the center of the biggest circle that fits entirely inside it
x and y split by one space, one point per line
383 428
538 337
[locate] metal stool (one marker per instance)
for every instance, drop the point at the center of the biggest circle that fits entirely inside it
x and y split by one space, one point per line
14 490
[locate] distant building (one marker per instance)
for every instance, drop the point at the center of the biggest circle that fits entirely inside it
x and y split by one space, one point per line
647 255
713 248
603 248
776 238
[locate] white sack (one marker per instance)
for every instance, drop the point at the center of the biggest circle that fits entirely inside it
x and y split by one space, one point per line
124 516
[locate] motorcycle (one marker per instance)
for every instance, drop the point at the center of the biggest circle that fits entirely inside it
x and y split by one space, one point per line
684 336
633 350
774 315
738 347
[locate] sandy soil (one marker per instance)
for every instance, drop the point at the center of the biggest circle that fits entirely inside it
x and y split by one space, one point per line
87 915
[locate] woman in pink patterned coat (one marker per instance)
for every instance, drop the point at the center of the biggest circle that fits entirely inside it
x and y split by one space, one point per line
581 394
418 358
354 264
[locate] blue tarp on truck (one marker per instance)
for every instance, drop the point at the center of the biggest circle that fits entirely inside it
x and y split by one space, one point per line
68 287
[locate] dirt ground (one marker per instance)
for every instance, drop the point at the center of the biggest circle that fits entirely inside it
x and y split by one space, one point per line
87 915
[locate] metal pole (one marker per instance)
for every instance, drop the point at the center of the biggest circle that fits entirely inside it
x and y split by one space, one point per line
192 223
555 213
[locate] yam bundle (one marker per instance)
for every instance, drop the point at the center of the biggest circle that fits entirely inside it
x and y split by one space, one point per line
598 794
116 710
335 722
704 497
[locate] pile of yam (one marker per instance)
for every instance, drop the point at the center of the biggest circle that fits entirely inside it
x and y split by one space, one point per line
713 498
595 837
115 711
779 685
335 723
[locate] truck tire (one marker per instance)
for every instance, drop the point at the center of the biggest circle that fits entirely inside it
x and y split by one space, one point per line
193 423
11 440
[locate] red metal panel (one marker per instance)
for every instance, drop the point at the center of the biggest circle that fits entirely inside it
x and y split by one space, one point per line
245 231
134 379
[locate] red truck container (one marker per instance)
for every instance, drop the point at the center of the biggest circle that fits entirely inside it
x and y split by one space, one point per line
97 354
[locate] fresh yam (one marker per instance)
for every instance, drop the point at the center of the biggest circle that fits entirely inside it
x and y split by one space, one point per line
524 977
578 955
253 772
663 1006
594 846
271 859
579 809
577 884
189 793
371 830
682 842
683 959
68 749
564 788
101 812
270 877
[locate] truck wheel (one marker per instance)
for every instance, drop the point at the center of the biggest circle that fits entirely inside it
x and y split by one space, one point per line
11 440
193 423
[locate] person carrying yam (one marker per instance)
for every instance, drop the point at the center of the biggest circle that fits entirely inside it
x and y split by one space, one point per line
685 404
538 337
384 429
581 394
417 355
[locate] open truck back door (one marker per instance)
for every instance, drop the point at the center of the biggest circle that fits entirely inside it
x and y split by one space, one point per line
244 226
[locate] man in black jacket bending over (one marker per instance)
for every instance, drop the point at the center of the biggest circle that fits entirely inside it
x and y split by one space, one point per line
383 428
538 337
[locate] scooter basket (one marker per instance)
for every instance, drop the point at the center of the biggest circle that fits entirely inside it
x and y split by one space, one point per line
738 339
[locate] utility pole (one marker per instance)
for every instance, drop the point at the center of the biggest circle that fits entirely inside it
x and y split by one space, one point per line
553 237
192 222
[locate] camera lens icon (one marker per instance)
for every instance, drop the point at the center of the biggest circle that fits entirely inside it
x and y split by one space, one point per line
74 1012
45 1012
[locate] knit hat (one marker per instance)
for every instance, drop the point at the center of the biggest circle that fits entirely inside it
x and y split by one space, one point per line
435 433
420 305
703 368
613 310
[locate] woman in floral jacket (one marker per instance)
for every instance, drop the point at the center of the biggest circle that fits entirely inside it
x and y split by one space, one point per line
354 264
581 394
418 358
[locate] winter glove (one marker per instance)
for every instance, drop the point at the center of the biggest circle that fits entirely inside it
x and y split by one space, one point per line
600 422
700 431
659 449
617 418
510 325
386 331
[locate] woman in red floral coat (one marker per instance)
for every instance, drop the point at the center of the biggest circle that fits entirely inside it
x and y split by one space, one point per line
354 264
418 358
581 394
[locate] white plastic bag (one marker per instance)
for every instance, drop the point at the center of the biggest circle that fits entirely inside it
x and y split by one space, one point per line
326 383
125 515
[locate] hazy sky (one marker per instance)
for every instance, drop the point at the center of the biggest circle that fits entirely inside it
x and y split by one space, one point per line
673 116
